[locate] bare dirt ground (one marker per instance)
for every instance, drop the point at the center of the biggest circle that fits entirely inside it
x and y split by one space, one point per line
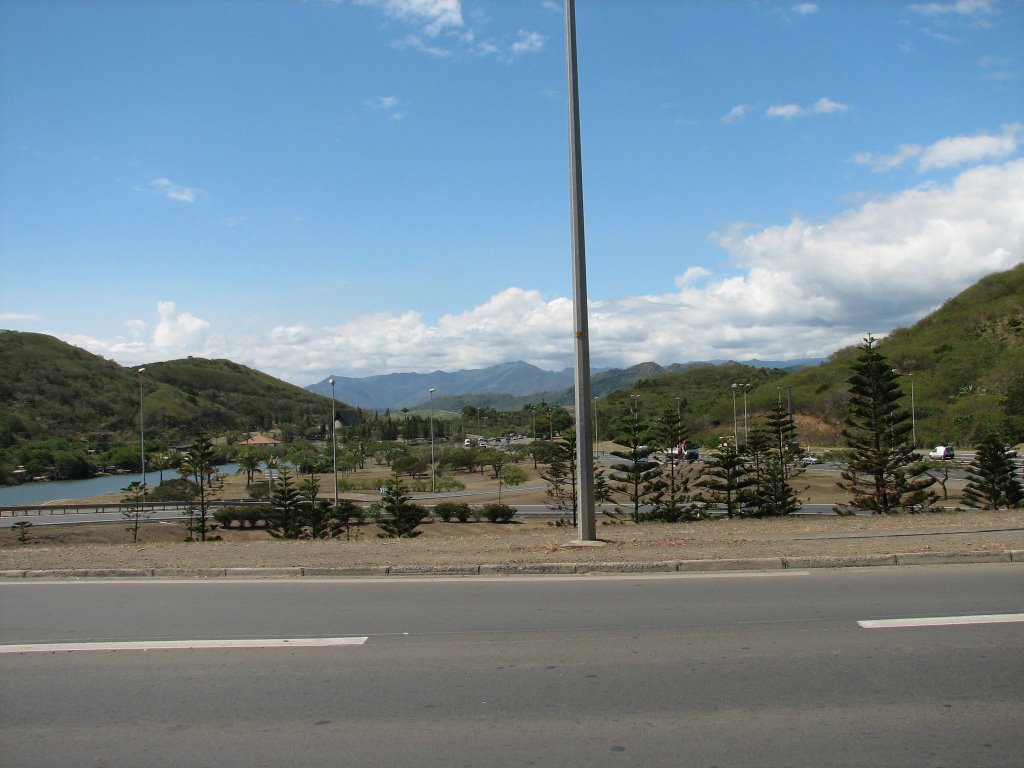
530 541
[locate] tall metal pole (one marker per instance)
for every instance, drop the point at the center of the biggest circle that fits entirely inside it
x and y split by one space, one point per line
746 425
735 426
142 431
334 441
432 485
587 528
913 410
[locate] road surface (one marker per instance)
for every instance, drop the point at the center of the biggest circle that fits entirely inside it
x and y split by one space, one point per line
730 670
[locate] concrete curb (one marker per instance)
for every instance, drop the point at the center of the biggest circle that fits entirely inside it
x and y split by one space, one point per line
537 569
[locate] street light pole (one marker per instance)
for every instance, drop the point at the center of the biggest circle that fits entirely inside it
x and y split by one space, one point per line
334 441
746 428
735 426
142 431
432 483
913 411
585 461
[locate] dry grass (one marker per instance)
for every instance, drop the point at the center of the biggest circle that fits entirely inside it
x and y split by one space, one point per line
531 540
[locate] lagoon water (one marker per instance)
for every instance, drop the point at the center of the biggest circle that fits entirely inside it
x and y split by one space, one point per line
37 493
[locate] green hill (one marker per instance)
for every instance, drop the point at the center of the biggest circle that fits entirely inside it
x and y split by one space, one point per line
53 390
967 361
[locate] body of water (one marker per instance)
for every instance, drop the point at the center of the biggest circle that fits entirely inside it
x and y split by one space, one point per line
38 493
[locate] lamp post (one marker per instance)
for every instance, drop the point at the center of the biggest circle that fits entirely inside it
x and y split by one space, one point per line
142 432
746 428
334 441
432 482
586 528
735 426
913 409
913 412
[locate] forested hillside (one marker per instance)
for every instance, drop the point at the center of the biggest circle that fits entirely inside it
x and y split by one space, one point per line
53 390
966 362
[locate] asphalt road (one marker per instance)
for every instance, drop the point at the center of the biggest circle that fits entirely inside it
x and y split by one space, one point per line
729 670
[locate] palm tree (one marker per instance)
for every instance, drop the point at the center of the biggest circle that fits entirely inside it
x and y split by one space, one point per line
249 460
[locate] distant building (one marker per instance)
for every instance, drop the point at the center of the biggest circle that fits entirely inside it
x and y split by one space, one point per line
259 440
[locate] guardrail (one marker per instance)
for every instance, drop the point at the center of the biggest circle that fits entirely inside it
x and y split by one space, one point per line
42 510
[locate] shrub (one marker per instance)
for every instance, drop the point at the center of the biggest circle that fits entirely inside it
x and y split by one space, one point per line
174 490
244 516
446 510
499 513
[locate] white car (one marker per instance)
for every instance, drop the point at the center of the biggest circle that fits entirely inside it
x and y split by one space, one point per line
941 453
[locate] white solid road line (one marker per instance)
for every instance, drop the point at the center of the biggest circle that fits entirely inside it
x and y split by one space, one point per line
943 621
177 645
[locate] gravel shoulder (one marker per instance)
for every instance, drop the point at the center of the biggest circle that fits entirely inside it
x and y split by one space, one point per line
459 545
947 531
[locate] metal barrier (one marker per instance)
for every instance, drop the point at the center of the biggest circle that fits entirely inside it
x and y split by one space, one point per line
42 510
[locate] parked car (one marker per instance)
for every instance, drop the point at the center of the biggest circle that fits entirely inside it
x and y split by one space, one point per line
692 452
941 453
1010 453
808 459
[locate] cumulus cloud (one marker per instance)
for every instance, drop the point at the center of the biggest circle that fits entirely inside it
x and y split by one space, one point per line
433 16
948 152
389 105
166 188
823 106
177 331
798 289
958 150
441 31
736 115
971 9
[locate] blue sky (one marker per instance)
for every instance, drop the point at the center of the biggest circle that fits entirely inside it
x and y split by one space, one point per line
360 187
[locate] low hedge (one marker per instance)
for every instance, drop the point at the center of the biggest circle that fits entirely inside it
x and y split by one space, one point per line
241 517
499 513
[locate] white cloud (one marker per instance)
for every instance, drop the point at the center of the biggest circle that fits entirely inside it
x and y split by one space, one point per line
798 289
972 9
958 150
166 188
5 316
434 16
785 111
949 152
805 9
177 331
823 106
736 115
442 31
388 105
880 163
526 42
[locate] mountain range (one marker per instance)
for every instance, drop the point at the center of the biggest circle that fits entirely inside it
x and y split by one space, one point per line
506 385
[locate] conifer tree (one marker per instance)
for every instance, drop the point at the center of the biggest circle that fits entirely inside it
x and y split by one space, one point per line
561 476
286 508
727 479
670 499
883 475
992 480
775 465
635 475
400 517
200 463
